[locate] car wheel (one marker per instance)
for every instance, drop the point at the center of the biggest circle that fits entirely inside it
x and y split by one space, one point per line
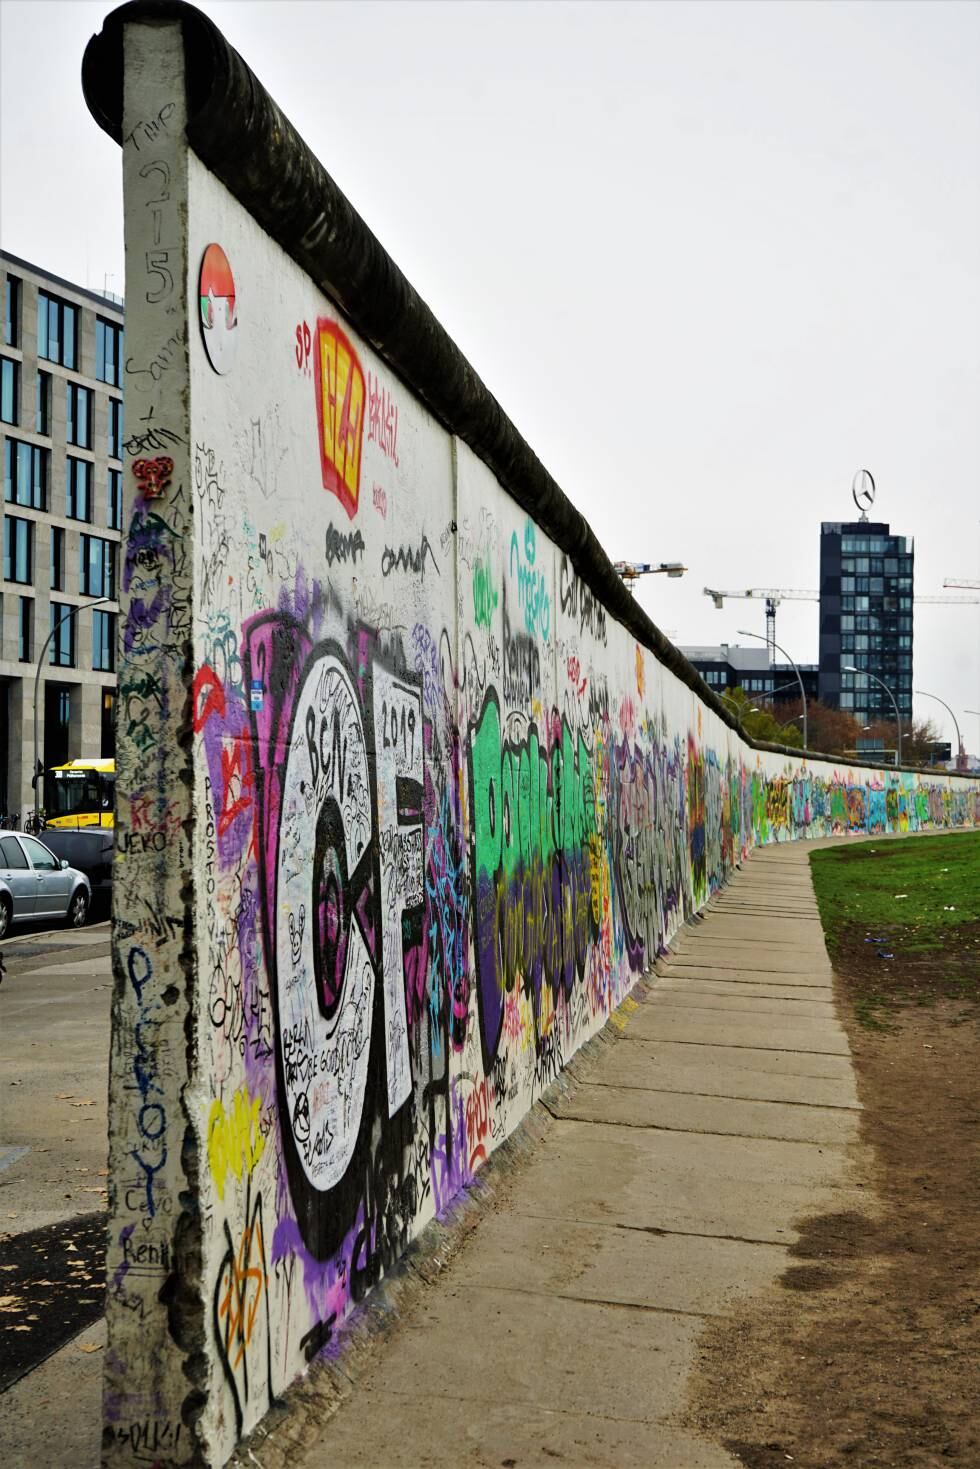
6 912
78 909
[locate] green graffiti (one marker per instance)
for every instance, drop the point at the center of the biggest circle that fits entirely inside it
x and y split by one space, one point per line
485 595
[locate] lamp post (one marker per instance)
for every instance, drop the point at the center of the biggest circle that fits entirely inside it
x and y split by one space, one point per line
961 753
850 668
71 612
744 633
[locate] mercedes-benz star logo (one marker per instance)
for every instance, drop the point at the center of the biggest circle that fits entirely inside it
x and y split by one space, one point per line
863 490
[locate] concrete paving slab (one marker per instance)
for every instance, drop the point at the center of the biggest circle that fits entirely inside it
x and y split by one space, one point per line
600 1262
754 961
627 1182
785 929
696 984
487 1345
749 1058
620 1069
726 1116
51 1417
745 1160
822 1037
684 997
745 940
705 967
792 953
409 1432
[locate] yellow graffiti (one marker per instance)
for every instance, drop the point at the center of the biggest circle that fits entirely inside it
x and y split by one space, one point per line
235 1144
640 672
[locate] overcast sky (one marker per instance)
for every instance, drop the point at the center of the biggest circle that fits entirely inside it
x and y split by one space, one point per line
711 258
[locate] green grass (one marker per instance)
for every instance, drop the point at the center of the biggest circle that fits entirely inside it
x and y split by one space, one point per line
860 884
902 923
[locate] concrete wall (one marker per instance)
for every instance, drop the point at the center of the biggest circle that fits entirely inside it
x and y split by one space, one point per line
404 814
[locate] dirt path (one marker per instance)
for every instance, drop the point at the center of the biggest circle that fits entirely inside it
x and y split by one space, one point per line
868 1352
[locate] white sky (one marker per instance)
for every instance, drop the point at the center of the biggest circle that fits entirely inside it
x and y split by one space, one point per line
711 258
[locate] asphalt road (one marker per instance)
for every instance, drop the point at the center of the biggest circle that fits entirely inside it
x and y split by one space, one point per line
54 1049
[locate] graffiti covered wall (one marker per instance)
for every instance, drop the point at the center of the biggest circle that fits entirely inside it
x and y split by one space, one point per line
416 808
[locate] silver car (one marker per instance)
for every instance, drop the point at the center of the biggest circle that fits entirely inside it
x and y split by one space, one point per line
34 884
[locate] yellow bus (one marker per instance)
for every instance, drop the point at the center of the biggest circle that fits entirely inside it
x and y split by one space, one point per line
79 793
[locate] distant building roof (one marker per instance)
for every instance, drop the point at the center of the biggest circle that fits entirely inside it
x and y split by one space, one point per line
100 298
756 659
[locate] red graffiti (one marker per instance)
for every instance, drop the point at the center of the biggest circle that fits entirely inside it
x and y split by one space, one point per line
575 674
478 1120
208 697
304 344
380 501
382 418
237 781
154 475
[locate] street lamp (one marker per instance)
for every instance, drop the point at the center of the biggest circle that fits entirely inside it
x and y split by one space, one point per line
71 612
744 633
961 753
849 668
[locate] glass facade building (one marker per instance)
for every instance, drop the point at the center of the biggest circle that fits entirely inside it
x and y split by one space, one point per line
61 450
866 592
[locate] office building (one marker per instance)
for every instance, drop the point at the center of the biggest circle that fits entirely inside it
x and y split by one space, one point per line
866 576
61 433
728 666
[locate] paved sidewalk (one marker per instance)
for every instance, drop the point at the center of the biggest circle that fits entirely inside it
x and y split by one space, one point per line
665 1188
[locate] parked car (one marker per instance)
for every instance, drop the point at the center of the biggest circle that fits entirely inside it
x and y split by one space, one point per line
34 884
90 851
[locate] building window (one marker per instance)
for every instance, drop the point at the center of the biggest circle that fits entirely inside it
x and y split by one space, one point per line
103 641
11 312
42 418
847 701
25 630
9 390
115 428
57 559
98 568
61 651
108 724
25 474
114 509
79 416
57 330
18 550
108 352
79 489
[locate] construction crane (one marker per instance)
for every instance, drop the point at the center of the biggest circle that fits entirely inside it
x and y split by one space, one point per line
956 581
774 595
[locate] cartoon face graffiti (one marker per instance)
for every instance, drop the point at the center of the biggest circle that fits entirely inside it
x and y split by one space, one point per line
219 312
